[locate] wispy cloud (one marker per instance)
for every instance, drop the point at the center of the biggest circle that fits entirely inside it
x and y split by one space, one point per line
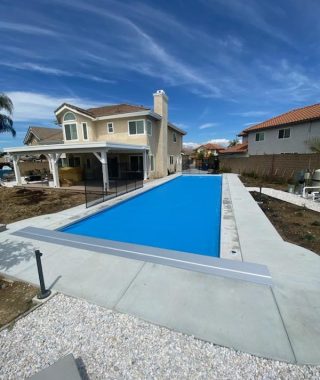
31 106
26 28
251 123
208 125
53 71
250 113
222 141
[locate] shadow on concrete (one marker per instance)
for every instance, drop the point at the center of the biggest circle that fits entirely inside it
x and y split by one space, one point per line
13 253
54 282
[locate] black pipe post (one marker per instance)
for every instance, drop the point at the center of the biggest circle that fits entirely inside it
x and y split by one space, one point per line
44 293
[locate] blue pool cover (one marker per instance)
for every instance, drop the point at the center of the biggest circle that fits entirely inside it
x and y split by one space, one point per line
183 214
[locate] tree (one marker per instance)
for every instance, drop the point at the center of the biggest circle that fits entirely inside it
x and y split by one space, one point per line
314 144
6 123
233 143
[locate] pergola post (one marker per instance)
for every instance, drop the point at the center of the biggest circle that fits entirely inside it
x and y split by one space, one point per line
145 165
103 158
53 164
15 160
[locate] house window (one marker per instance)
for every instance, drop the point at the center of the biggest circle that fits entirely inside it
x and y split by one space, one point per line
71 131
85 131
136 163
74 162
171 160
174 136
136 127
151 162
110 128
284 133
149 127
69 116
260 136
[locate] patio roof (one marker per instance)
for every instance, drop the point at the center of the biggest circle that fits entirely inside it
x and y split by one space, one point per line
75 148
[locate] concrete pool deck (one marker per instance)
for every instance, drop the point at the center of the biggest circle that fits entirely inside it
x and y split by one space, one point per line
279 322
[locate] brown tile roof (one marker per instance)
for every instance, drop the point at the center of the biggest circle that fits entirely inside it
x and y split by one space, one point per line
210 146
109 110
115 109
44 134
298 115
238 148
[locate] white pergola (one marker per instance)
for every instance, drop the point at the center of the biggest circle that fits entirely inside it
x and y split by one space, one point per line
53 153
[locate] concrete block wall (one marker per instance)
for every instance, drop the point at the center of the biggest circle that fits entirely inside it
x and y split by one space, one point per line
282 165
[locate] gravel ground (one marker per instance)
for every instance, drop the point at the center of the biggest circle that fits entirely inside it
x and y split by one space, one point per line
118 346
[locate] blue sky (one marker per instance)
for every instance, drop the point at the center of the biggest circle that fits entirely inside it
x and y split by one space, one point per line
224 64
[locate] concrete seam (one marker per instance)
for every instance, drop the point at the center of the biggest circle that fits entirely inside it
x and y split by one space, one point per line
129 285
284 326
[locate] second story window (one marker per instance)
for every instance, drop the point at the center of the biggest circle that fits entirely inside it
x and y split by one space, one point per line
136 127
284 133
149 128
85 131
260 136
71 132
110 128
174 137
69 116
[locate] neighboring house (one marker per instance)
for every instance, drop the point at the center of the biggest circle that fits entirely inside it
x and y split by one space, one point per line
238 150
110 139
43 135
209 150
290 132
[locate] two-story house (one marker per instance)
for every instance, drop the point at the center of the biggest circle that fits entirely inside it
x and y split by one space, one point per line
209 149
291 132
111 139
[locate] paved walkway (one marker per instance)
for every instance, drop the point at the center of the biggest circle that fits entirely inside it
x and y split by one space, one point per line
279 322
287 197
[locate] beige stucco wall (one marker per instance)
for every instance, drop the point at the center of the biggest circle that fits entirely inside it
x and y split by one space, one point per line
174 149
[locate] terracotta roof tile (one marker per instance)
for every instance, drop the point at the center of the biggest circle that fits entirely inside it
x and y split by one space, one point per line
239 148
298 115
210 146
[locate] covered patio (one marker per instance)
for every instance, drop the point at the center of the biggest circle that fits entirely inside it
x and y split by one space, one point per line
87 157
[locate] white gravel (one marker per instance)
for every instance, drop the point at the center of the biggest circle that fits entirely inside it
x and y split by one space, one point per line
119 346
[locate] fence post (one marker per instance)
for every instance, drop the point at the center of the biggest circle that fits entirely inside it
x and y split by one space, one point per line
44 293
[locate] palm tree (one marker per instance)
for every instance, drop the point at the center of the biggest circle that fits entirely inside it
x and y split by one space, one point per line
233 143
6 123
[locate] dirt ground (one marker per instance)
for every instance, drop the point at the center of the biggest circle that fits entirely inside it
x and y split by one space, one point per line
295 224
273 182
17 204
15 299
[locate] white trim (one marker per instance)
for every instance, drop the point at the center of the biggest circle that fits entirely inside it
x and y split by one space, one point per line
74 147
258 133
151 127
73 110
137 134
150 167
174 137
110 133
284 129
170 160
86 124
130 114
64 131
69 112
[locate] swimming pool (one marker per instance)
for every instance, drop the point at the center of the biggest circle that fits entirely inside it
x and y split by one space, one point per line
183 214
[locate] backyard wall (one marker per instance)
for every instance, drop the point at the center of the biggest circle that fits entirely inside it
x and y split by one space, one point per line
282 165
27 166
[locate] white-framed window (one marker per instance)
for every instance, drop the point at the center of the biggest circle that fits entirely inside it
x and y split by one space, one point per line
136 127
151 162
70 131
110 128
171 160
85 131
174 137
69 116
259 136
284 133
149 127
